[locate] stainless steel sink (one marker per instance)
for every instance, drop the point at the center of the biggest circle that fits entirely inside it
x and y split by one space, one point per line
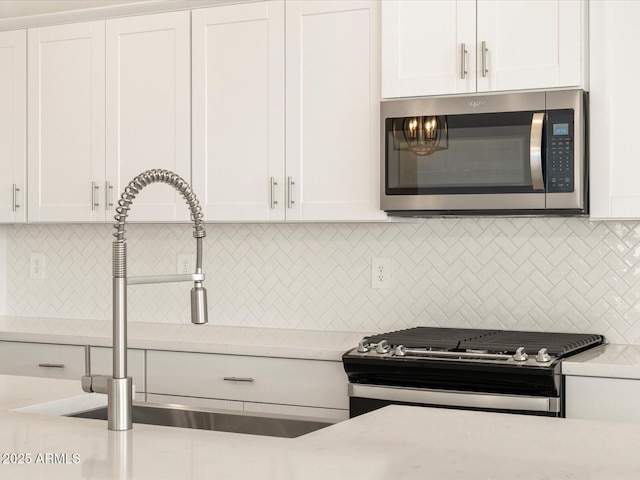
189 417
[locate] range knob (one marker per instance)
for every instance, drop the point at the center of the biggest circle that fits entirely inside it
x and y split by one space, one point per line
383 347
400 351
363 345
543 355
520 355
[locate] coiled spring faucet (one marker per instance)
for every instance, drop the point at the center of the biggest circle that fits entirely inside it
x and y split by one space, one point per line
118 387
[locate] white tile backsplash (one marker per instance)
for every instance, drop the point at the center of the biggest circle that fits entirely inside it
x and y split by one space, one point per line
558 274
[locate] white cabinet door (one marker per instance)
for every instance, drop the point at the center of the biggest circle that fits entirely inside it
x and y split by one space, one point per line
529 44
13 126
613 77
66 122
599 398
332 110
238 111
424 45
148 108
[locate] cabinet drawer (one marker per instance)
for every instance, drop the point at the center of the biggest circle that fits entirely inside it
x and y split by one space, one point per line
312 383
600 398
42 360
102 364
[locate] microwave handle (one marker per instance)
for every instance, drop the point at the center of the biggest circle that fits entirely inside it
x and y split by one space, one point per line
535 151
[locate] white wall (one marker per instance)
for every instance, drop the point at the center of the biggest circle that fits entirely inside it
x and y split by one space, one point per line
558 274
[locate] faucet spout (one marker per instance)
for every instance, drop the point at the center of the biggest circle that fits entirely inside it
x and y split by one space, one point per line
119 386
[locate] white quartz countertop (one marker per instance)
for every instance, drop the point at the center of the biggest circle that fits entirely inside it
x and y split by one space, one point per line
395 442
614 361
268 342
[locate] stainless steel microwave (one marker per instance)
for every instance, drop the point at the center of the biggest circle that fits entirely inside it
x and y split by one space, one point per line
515 153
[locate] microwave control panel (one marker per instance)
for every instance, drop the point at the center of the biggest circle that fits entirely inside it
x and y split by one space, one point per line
560 151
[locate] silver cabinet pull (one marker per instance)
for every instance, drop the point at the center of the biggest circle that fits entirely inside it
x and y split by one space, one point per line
15 197
108 199
274 184
484 49
290 184
535 151
51 365
238 379
94 195
463 60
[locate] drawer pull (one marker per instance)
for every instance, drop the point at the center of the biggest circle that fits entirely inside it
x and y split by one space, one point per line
238 379
51 365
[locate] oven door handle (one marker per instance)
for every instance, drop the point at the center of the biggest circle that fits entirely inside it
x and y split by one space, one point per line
535 151
456 398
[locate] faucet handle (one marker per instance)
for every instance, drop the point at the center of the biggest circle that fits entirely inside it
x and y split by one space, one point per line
199 313
95 383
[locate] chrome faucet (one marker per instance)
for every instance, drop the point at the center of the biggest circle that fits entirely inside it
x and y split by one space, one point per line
118 387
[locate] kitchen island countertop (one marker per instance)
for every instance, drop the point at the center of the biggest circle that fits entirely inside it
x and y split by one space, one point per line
395 442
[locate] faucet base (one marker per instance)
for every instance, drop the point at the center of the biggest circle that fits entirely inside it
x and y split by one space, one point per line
120 403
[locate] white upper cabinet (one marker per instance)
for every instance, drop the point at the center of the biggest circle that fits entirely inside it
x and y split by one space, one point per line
324 100
13 126
82 155
66 122
238 111
423 45
613 113
332 110
148 117
463 46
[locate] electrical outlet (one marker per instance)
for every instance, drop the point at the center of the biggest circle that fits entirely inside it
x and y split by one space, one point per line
185 263
36 266
381 273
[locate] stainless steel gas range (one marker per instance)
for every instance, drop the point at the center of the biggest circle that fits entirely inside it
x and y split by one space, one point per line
489 370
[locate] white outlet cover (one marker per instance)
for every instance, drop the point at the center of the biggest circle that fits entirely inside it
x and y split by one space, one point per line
186 263
381 273
36 266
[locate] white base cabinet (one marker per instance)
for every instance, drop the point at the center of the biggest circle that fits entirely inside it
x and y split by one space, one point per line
601 398
258 384
42 360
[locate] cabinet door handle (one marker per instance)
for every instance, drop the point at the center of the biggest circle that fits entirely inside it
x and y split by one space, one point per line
535 151
51 365
290 184
274 184
238 379
15 197
108 195
484 49
94 195
463 61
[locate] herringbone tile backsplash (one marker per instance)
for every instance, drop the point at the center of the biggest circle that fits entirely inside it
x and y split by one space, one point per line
556 274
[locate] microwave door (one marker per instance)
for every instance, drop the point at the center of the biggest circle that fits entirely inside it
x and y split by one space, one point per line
484 162
535 152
